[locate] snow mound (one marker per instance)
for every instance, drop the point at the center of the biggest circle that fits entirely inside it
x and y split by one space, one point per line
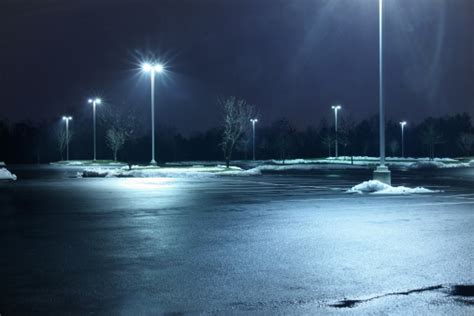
6 175
377 187
98 173
164 172
421 165
471 163
250 172
303 167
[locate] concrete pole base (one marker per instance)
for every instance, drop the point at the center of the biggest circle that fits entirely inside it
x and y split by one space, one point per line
383 174
153 163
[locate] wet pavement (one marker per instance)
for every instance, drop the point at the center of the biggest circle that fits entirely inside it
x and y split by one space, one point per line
270 244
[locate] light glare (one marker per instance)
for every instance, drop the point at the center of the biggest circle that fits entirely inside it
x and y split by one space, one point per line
146 67
159 68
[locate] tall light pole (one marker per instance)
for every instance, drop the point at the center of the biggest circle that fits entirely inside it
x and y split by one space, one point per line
152 69
67 119
253 137
336 108
402 125
94 103
382 173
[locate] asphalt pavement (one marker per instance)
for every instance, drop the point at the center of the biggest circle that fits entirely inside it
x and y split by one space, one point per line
271 244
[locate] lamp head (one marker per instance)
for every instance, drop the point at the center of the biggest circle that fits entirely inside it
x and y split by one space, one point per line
146 67
158 68
95 101
403 123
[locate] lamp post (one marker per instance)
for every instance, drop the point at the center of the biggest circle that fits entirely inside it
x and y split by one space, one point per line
67 119
253 137
94 103
382 173
402 125
336 108
152 69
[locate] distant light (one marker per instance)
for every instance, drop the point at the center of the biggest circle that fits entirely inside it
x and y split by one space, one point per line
96 101
336 107
146 67
159 68
403 123
254 120
64 118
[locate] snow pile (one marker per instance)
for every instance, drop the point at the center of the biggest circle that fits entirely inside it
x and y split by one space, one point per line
194 171
377 187
303 167
250 172
367 161
296 161
435 164
162 172
471 163
86 163
75 163
98 173
6 175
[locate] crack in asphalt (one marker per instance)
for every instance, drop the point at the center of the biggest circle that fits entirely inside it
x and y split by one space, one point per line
347 303
463 294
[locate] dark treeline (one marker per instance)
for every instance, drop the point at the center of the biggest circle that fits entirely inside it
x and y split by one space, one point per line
450 136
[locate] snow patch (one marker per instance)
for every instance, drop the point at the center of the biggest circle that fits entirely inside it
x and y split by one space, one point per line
6 175
303 167
367 161
377 187
162 172
98 173
87 163
434 164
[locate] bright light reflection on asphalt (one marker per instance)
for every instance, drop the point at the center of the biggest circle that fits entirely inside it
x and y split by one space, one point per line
148 184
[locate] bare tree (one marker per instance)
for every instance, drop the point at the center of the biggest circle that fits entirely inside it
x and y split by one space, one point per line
236 118
430 137
115 139
466 143
122 126
245 142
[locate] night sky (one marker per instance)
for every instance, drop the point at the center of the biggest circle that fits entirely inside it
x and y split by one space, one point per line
292 59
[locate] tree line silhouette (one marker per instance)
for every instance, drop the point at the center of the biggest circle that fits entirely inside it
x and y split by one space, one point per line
30 142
